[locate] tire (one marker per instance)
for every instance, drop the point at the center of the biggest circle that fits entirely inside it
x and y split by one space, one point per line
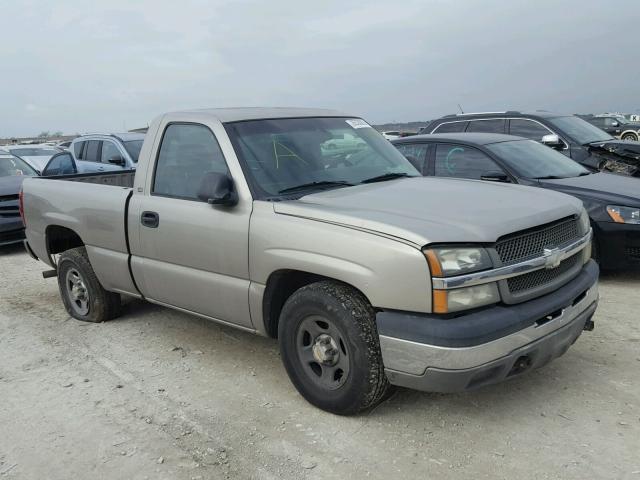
630 136
82 294
349 377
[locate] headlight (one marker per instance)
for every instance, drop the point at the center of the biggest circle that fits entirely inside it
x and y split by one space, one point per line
624 214
447 301
450 261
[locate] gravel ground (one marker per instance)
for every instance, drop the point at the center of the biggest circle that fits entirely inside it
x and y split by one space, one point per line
161 395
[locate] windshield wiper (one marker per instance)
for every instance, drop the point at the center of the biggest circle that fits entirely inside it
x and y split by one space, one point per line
585 173
386 176
321 184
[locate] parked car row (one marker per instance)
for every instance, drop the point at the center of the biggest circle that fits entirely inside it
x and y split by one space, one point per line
367 272
569 134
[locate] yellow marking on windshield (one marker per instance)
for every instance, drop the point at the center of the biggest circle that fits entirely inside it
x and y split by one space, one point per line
289 153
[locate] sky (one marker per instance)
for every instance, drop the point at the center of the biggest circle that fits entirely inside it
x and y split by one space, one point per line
78 66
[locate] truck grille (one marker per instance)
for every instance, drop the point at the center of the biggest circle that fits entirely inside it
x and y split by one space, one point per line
9 206
532 280
531 243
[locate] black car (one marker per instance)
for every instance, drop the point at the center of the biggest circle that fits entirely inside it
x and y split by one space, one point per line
569 134
613 201
616 126
13 171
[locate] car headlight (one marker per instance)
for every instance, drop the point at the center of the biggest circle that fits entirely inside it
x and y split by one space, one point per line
448 301
624 214
450 261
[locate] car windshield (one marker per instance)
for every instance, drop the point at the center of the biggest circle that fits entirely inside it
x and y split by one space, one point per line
531 159
306 154
34 152
133 148
580 130
11 166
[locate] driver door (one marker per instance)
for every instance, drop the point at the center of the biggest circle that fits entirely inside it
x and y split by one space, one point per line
190 254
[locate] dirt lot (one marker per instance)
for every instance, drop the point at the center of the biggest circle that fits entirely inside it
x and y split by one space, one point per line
161 395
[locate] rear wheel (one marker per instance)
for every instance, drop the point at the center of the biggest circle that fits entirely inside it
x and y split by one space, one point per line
82 294
330 348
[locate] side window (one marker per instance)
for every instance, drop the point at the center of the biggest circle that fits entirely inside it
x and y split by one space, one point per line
91 153
416 154
495 125
598 122
187 153
109 151
451 127
527 129
462 162
610 122
77 149
61 164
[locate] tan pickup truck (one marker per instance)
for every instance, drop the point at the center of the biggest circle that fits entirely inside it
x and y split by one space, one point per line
367 273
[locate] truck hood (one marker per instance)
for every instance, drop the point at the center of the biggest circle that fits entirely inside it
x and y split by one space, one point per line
606 187
427 210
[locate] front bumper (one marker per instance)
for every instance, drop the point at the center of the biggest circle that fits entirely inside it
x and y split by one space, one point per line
11 231
425 352
618 245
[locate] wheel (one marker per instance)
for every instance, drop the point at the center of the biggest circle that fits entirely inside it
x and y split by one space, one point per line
330 348
630 136
81 292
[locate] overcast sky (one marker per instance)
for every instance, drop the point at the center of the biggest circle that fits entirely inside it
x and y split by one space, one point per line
80 66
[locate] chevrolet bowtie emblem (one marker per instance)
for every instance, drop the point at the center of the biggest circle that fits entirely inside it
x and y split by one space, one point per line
552 258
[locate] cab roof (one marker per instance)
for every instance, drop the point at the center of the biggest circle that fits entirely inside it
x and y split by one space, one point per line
227 115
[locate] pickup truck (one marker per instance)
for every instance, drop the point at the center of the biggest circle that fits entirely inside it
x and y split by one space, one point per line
368 274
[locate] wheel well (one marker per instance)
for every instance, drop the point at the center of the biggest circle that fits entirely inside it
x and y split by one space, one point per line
60 239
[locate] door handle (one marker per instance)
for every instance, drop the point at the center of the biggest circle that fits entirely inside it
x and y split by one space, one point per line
150 219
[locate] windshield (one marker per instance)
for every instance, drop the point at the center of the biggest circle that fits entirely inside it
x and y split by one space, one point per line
580 130
280 154
12 166
531 159
34 152
133 148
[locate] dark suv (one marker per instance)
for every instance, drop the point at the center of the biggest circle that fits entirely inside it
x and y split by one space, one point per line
571 135
616 125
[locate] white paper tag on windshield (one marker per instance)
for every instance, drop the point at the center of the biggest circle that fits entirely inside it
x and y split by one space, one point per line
358 123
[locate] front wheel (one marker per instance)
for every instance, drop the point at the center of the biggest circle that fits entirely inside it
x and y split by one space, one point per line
630 136
82 294
330 348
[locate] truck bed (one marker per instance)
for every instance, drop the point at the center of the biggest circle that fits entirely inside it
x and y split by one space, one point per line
122 178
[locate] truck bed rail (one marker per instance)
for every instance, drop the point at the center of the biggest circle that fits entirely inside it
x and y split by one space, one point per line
122 178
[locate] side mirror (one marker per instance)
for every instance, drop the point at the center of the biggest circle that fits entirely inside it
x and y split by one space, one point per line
117 160
218 189
615 124
495 177
552 140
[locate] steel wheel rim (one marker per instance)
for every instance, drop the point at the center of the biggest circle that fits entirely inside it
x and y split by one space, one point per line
323 352
77 292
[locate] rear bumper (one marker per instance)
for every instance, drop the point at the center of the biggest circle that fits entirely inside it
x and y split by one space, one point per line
447 364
